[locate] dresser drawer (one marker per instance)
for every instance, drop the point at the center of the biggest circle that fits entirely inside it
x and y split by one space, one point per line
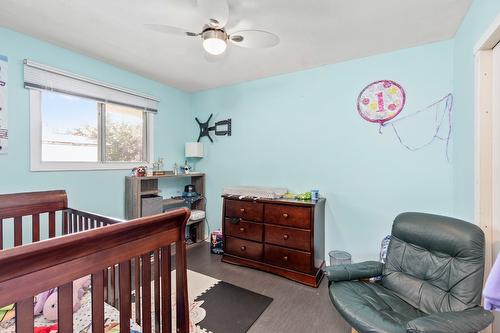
244 248
292 259
295 238
298 217
243 229
247 210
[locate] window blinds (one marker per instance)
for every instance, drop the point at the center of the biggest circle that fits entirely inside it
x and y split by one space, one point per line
38 76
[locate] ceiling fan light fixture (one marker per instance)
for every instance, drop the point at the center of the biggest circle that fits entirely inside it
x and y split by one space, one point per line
215 41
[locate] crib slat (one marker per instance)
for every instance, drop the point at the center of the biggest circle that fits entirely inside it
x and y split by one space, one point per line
65 307
24 316
106 285
1 234
80 223
156 269
86 219
92 224
125 310
112 290
18 230
146 293
52 224
137 287
98 302
65 223
181 293
166 292
70 223
35 227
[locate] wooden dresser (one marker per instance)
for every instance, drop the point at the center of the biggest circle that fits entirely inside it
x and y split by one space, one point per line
284 237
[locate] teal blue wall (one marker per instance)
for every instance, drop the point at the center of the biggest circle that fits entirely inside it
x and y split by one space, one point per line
298 130
98 191
302 131
480 16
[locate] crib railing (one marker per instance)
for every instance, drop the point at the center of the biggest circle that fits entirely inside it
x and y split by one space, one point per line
75 221
42 212
123 256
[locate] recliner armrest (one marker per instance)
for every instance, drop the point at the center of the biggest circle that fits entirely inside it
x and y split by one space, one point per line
362 270
471 320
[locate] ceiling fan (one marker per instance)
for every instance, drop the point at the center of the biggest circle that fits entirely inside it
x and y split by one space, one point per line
212 17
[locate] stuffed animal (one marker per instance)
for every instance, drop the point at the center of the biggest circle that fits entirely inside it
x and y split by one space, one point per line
140 171
50 306
40 300
46 329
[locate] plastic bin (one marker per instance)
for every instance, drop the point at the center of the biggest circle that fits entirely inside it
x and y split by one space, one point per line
152 205
339 258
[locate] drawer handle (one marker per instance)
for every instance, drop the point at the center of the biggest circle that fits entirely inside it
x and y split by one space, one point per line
285 236
243 248
285 258
285 215
242 229
242 210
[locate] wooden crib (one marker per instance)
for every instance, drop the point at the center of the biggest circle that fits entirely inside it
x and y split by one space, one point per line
121 256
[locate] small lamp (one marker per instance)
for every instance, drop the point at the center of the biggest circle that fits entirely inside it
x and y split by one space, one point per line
192 150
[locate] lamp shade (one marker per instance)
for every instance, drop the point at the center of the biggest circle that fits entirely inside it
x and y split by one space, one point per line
194 149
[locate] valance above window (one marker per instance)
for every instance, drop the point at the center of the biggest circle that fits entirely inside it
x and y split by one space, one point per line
38 76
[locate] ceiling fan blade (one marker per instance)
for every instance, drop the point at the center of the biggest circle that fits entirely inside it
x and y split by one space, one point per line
216 12
170 30
254 39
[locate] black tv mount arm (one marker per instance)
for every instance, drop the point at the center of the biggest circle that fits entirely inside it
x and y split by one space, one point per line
205 128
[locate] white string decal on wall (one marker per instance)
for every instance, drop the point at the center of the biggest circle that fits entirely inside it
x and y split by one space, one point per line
441 124
382 101
4 132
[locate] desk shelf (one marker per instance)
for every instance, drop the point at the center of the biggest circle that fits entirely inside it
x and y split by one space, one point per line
137 188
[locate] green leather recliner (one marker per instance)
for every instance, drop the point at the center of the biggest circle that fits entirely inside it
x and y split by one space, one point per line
431 282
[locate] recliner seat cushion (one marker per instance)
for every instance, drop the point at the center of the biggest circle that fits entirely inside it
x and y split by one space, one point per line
372 308
435 263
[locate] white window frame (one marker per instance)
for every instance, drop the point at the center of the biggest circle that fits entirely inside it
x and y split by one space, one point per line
36 144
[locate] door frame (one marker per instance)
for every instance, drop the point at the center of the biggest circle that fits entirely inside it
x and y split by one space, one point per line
486 125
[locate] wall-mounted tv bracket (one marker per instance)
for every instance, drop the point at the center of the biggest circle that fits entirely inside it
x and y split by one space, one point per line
220 128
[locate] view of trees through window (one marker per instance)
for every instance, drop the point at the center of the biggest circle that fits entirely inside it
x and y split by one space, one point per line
71 130
123 136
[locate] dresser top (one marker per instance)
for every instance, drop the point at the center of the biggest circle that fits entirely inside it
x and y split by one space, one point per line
294 202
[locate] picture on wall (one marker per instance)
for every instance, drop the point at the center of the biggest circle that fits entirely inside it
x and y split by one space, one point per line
4 132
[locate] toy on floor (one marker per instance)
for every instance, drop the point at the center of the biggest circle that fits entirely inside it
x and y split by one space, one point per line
216 242
46 302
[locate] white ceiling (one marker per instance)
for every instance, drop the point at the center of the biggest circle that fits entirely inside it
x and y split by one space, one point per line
312 33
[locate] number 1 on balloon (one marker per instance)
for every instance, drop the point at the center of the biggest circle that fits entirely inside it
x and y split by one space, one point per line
380 96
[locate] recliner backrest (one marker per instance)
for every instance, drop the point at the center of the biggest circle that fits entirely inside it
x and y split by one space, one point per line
435 263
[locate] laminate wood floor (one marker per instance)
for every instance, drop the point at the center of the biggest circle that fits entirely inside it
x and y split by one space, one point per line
295 308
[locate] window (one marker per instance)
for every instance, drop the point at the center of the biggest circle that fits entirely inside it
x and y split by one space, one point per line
123 137
69 128
75 131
